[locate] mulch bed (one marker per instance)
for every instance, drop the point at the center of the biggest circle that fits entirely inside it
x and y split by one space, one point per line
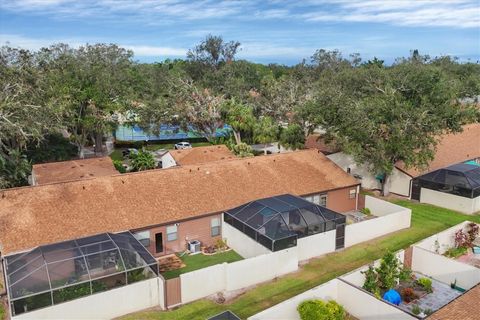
170 262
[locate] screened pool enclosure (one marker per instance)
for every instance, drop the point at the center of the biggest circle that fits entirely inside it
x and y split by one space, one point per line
56 273
278 222
459 179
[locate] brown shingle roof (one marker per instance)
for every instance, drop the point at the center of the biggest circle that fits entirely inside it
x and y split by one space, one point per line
465 307
453 148
201 155
73 170
316 141
38 215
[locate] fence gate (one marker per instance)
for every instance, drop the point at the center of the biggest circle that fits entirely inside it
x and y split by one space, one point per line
173 292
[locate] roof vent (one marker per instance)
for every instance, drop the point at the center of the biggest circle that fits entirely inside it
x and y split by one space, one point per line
123 182
83 187
190 170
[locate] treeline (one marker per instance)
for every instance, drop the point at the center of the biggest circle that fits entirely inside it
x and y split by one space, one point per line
375 112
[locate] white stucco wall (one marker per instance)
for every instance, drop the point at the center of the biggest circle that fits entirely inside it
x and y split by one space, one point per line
259 269
241 243
399 183
288 308
105 305
442 241
167 161
237 275
444 269
450 201
390 218
345 161
356 302
316 245
203 282
364 306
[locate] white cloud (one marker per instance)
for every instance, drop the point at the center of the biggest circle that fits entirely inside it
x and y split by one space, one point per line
447 13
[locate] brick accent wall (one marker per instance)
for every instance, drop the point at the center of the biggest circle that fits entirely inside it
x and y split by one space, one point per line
195 229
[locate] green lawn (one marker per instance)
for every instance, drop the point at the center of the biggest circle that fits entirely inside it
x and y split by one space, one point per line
199 261
3 313
426 220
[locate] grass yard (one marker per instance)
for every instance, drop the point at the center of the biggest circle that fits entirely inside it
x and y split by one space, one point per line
426 220
3 313
199 261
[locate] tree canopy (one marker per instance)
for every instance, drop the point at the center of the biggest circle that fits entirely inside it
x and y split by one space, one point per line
377 112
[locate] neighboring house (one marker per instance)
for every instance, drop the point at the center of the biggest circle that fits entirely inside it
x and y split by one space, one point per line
465 307
455 187
195 155
452 149
317 141
165 209
63 171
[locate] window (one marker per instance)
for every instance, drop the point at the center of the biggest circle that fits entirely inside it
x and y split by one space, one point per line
172 233
320 199
143 237
323 200
215 225
353 193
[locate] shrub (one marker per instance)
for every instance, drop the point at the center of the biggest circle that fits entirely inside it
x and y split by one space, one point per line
389 271
221 244
119 166
426 284
371 281
416 310
461 239
428 311
405 274
455 252
143 160
408 294
319 310
366 211
242 150
472 232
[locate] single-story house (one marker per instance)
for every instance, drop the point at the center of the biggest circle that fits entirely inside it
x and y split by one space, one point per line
455 187
62 171
317 141
452 148
195 155
166 208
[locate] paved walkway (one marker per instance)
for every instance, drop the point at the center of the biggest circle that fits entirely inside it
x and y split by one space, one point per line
441 295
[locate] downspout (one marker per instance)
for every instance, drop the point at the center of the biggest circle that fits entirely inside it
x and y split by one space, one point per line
356 197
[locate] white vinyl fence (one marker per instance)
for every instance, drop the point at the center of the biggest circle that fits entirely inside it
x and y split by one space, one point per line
442 241
390 218
357 302
445 269
105 305
237 275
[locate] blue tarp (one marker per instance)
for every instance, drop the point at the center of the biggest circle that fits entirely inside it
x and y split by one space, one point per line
393 297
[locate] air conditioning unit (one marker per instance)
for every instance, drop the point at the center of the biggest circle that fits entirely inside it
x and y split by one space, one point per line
194 246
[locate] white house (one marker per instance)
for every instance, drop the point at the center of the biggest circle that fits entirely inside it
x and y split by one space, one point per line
452 149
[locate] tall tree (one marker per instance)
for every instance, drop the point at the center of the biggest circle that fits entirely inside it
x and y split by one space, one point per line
25 116
266 131
213 51
91 83
239 117
398 116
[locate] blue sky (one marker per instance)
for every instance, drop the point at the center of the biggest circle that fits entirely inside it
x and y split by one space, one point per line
277 31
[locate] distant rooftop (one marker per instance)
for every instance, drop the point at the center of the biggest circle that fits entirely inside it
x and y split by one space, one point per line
202 154
32 216
80 169
452 148
465 307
